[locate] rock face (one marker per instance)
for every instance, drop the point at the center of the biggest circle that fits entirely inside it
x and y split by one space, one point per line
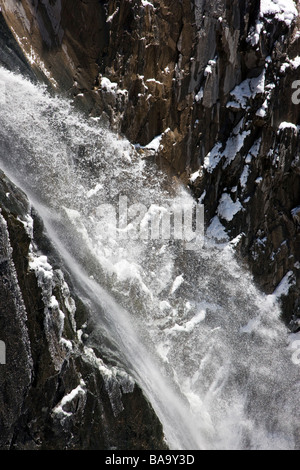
218 81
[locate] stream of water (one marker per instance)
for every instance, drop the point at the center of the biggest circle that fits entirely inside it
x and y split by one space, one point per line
207 348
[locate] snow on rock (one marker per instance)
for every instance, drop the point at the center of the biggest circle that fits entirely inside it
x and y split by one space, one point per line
111 87
283 10
67 400
155 143
247 89
209 68
202 197
227 208
216 230
233 145
199 95
290 63
146 3
257 84
284 286
153 80
213 157
254 151
48 280
287 125
28 224
244 176
295 63
195 175
45 277
43 270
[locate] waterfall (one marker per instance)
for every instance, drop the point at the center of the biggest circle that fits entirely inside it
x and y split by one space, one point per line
209 351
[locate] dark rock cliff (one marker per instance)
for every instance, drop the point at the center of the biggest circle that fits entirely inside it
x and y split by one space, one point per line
216 80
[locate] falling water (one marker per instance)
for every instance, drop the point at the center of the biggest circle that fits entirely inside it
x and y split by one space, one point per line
208 349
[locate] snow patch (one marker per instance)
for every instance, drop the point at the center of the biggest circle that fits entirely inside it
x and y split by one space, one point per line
216 230
155 143
146 3
247 89
199 95
80 390
195 175
233 145
42 268
244 176
287 125
213 157
227 208
209 68
111 87
283 10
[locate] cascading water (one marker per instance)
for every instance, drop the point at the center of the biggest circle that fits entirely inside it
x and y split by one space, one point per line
208 350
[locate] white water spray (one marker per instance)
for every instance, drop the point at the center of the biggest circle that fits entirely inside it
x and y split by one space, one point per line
208 350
